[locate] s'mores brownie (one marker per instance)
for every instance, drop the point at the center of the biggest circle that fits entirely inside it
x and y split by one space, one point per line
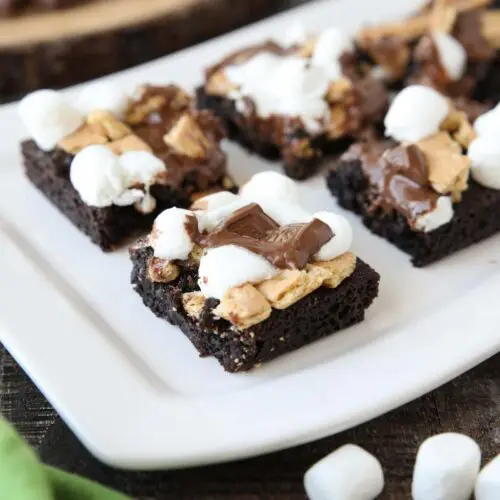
111 162
252 276
432 187
296 100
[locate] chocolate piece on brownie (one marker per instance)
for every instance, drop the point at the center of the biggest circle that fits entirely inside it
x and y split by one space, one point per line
414 189
449 47
296 102
111 163
248 278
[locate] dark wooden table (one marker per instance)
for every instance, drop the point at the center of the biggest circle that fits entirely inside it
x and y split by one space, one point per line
470 404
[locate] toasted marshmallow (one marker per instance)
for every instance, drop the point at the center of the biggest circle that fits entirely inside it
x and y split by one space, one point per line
488 481
329 47
103 96
48 117
96 174
452 54
342 236
230 266
446 468
441 215
416 112
484 153
270 185
170 238
349 473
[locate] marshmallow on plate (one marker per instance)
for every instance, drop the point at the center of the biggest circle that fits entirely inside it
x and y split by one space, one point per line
452 54
103 96
170 238
342 235
48 117
488 481
446 468
229 266
349 473
416 112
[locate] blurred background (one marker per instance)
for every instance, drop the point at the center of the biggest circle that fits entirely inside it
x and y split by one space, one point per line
56 43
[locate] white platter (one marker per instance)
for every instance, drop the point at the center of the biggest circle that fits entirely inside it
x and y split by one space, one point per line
133 388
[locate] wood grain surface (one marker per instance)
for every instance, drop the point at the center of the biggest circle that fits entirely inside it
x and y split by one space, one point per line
470 404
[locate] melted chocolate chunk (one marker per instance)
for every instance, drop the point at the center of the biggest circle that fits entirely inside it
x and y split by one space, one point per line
468 31
287 247
399 178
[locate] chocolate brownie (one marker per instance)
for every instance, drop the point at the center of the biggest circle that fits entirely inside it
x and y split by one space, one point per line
323 312
474 218
353 101
180 142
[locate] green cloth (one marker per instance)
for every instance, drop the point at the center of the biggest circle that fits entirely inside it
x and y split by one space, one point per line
24 477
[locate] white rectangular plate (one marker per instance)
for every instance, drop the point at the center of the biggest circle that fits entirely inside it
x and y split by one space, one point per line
133 388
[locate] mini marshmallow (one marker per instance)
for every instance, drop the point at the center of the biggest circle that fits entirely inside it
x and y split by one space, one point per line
446 468
209 220
452 54
141 167
349 473
284 212
329 47
484 153
229 266
217 200
441 215
296 34
415 113
342 236
96 174
170 238
488 123
488 481
103 96
282 85
48 117
270 185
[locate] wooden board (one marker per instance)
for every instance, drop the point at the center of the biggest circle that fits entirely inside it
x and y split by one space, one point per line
60 48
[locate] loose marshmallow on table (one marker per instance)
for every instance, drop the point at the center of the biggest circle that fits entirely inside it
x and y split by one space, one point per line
170 238
342 236
229 266
329 47
484 153
441 215
446 468
49 117
416 112
103 96
488 481
349 473
452 54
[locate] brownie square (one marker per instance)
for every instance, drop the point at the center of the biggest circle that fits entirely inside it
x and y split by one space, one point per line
321 313
474 219
107 227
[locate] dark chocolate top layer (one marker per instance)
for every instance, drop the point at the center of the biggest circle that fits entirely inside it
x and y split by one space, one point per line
287 247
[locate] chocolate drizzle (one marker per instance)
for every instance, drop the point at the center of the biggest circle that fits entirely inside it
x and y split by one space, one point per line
286 247
163 107
399 178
